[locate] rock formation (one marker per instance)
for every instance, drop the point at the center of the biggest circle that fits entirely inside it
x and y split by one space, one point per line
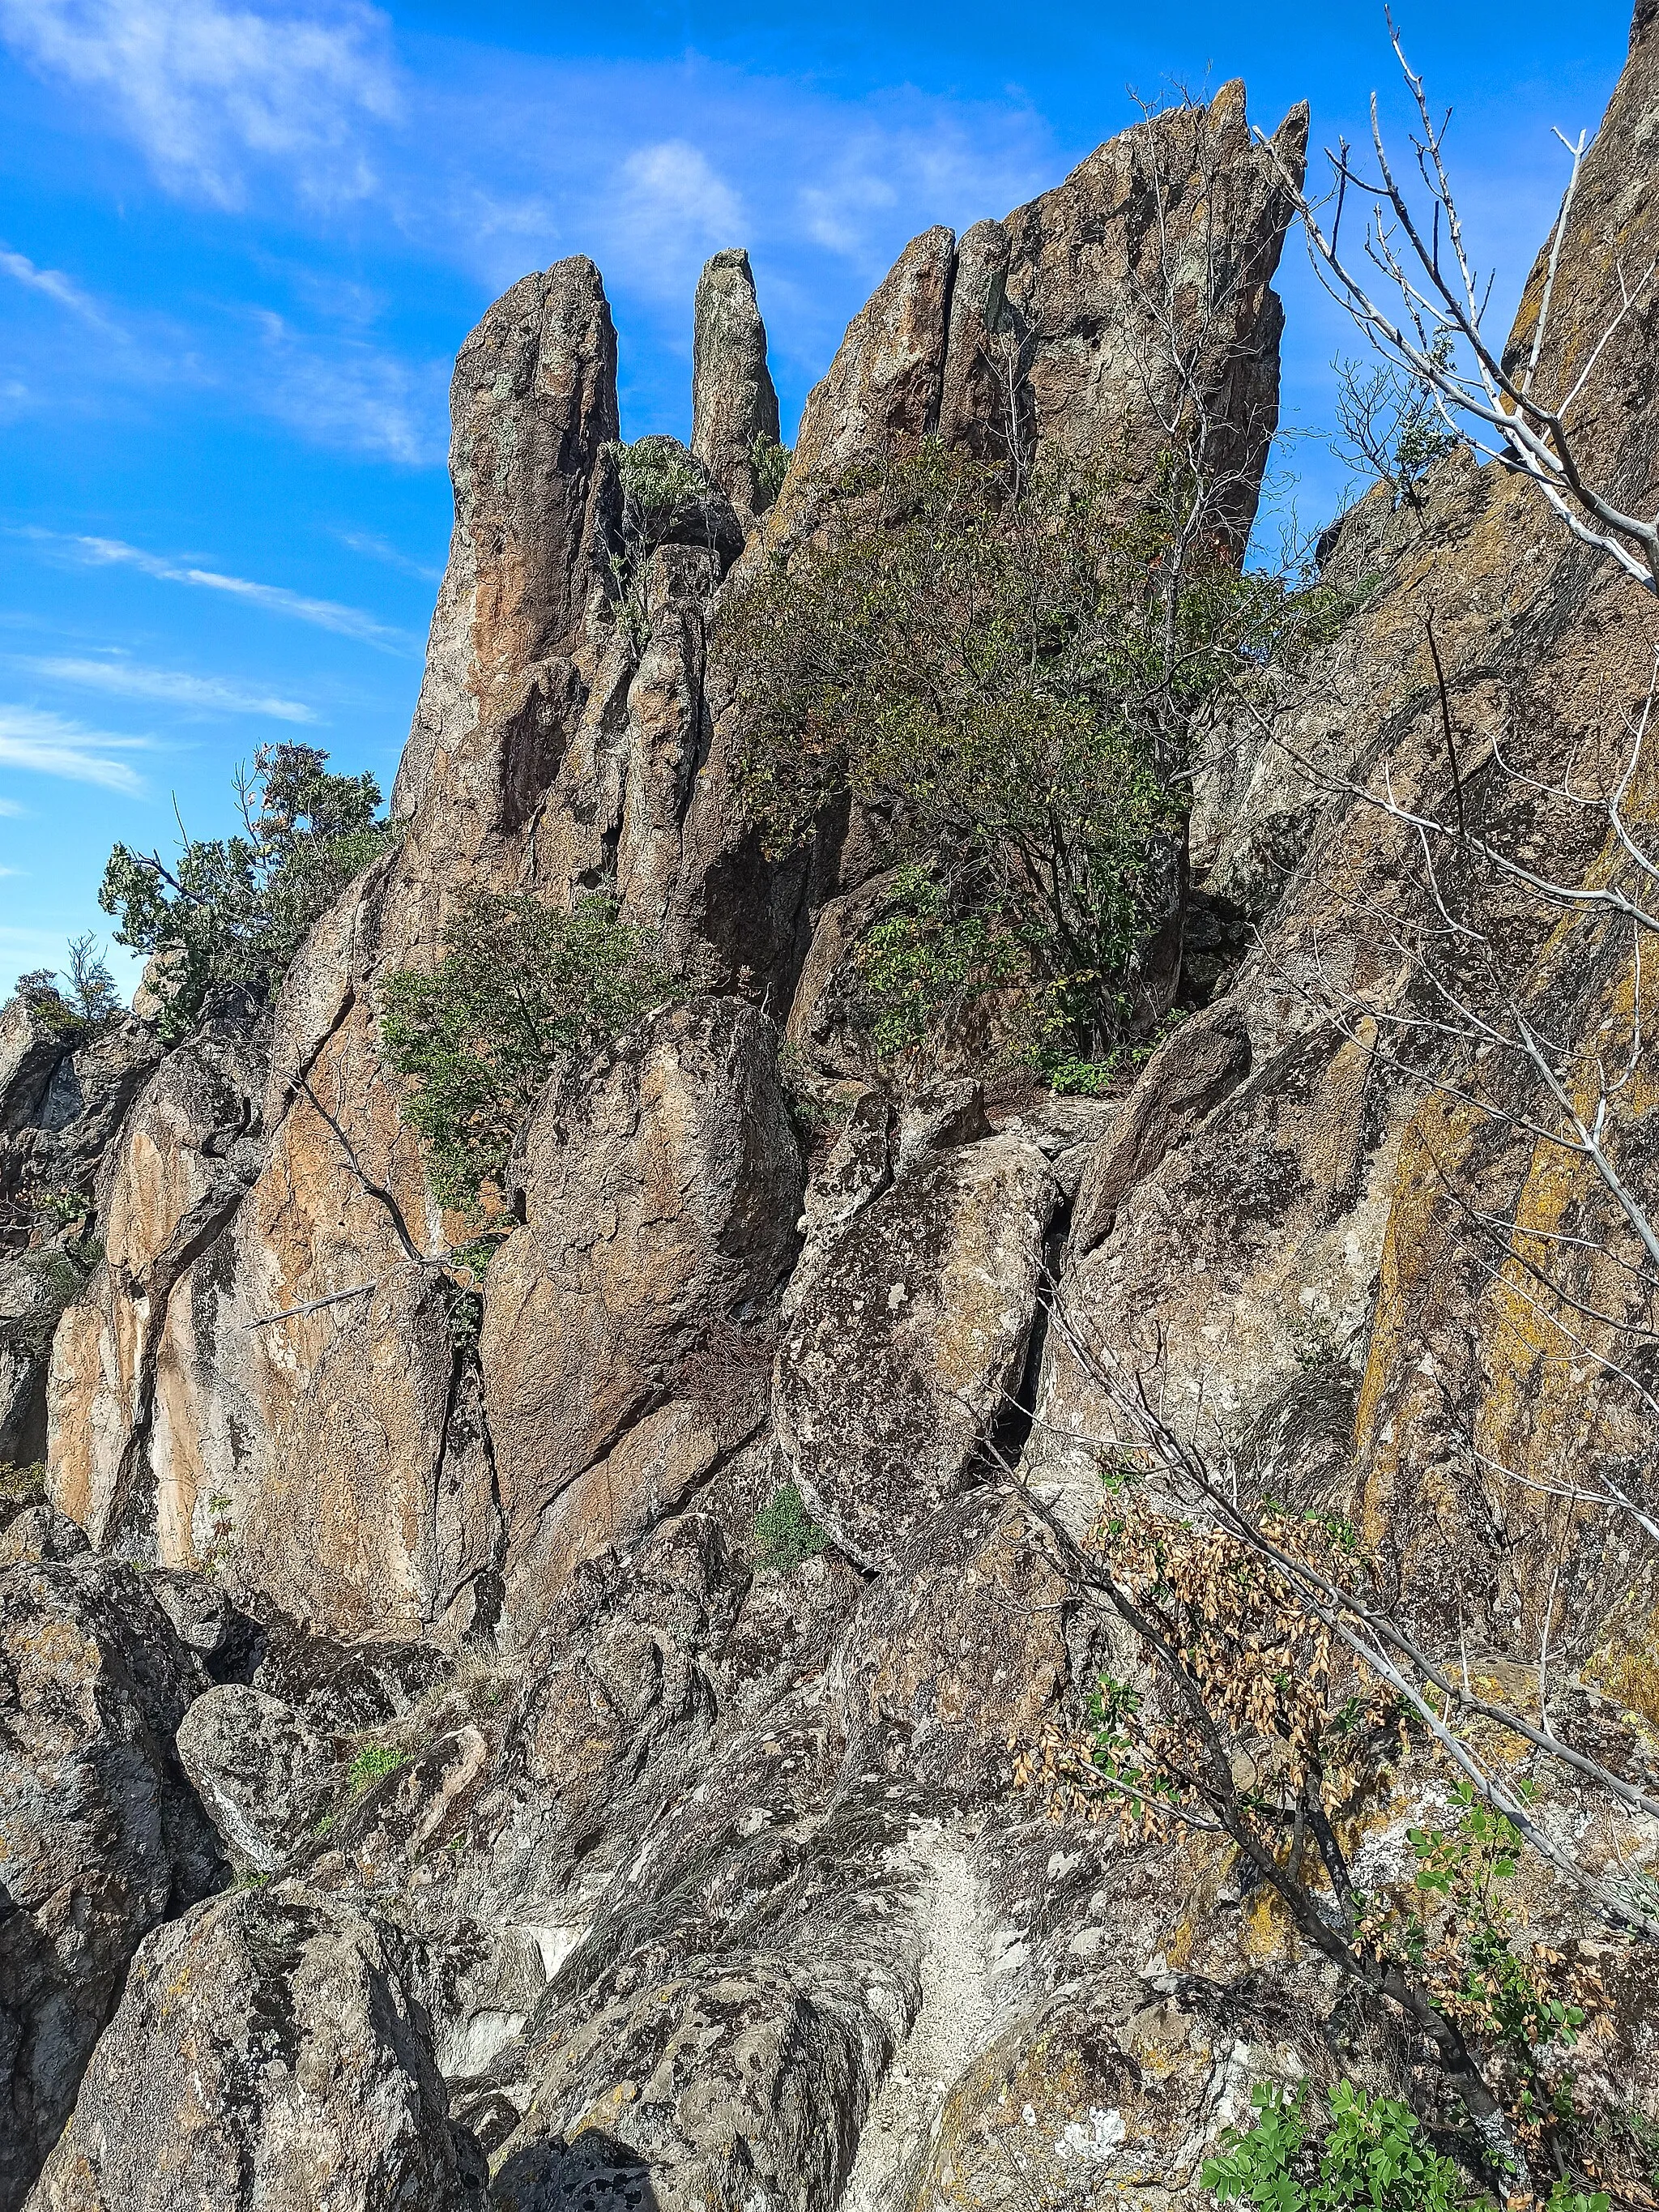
734 407
594 1847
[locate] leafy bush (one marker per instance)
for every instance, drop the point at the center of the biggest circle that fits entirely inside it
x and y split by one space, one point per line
771 466
524 992
22 1486
666 494
1371 2154
920 967
785 1533
236 909
1011 687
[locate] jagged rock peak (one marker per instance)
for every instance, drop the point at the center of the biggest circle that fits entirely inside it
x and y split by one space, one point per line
532 402
1044 327
733 402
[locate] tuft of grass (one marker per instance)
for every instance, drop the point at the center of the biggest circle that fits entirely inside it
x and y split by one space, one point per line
785 1533
372 1765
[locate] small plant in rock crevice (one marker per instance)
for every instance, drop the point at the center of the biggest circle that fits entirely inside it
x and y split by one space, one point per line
372 1765
784 1534
23 1486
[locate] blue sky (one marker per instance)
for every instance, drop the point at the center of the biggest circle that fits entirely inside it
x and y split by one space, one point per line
241 239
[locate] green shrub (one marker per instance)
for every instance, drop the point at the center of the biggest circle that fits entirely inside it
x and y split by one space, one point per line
76 1006
1371 2154
771 466
920 966
784 1534
236 909
22 1486
1011 689
524 992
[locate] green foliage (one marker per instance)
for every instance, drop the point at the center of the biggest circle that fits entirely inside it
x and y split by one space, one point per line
771 466
665 494
236 909
920 967
1371 2153
523 992
1488 1985
79 1006
784 1534
1011 688
372 1765
1389 424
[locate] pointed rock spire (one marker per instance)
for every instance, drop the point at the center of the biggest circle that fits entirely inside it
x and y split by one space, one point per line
733 402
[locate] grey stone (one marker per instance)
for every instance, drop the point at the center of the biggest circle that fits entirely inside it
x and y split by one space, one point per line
265 2058
733 403
101 1836
265 1777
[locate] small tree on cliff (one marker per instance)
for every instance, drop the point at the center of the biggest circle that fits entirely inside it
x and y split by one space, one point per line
236 909
1009 680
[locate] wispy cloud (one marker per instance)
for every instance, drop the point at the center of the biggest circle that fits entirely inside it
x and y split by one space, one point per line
56 286
174 687
381 549
50 744
209 91
348 393
274 599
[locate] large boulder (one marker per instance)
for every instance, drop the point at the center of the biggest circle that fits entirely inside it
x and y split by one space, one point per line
264 2056
659 1210
100 1835
909 1344
264 1776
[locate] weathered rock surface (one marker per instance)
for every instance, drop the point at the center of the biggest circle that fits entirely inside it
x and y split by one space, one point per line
1048 330
62 1099
734 406
659 1213
1273 1233
101 1836
264 2055
264 1775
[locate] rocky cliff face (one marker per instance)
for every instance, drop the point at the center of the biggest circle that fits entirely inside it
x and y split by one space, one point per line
616 1858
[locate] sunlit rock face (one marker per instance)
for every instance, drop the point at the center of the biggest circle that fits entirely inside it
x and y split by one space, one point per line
616 1842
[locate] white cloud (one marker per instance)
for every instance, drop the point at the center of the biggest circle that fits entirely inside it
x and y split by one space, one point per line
55 285
50 744
208 90
382 548
274 599
350 394
128 679
673 210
